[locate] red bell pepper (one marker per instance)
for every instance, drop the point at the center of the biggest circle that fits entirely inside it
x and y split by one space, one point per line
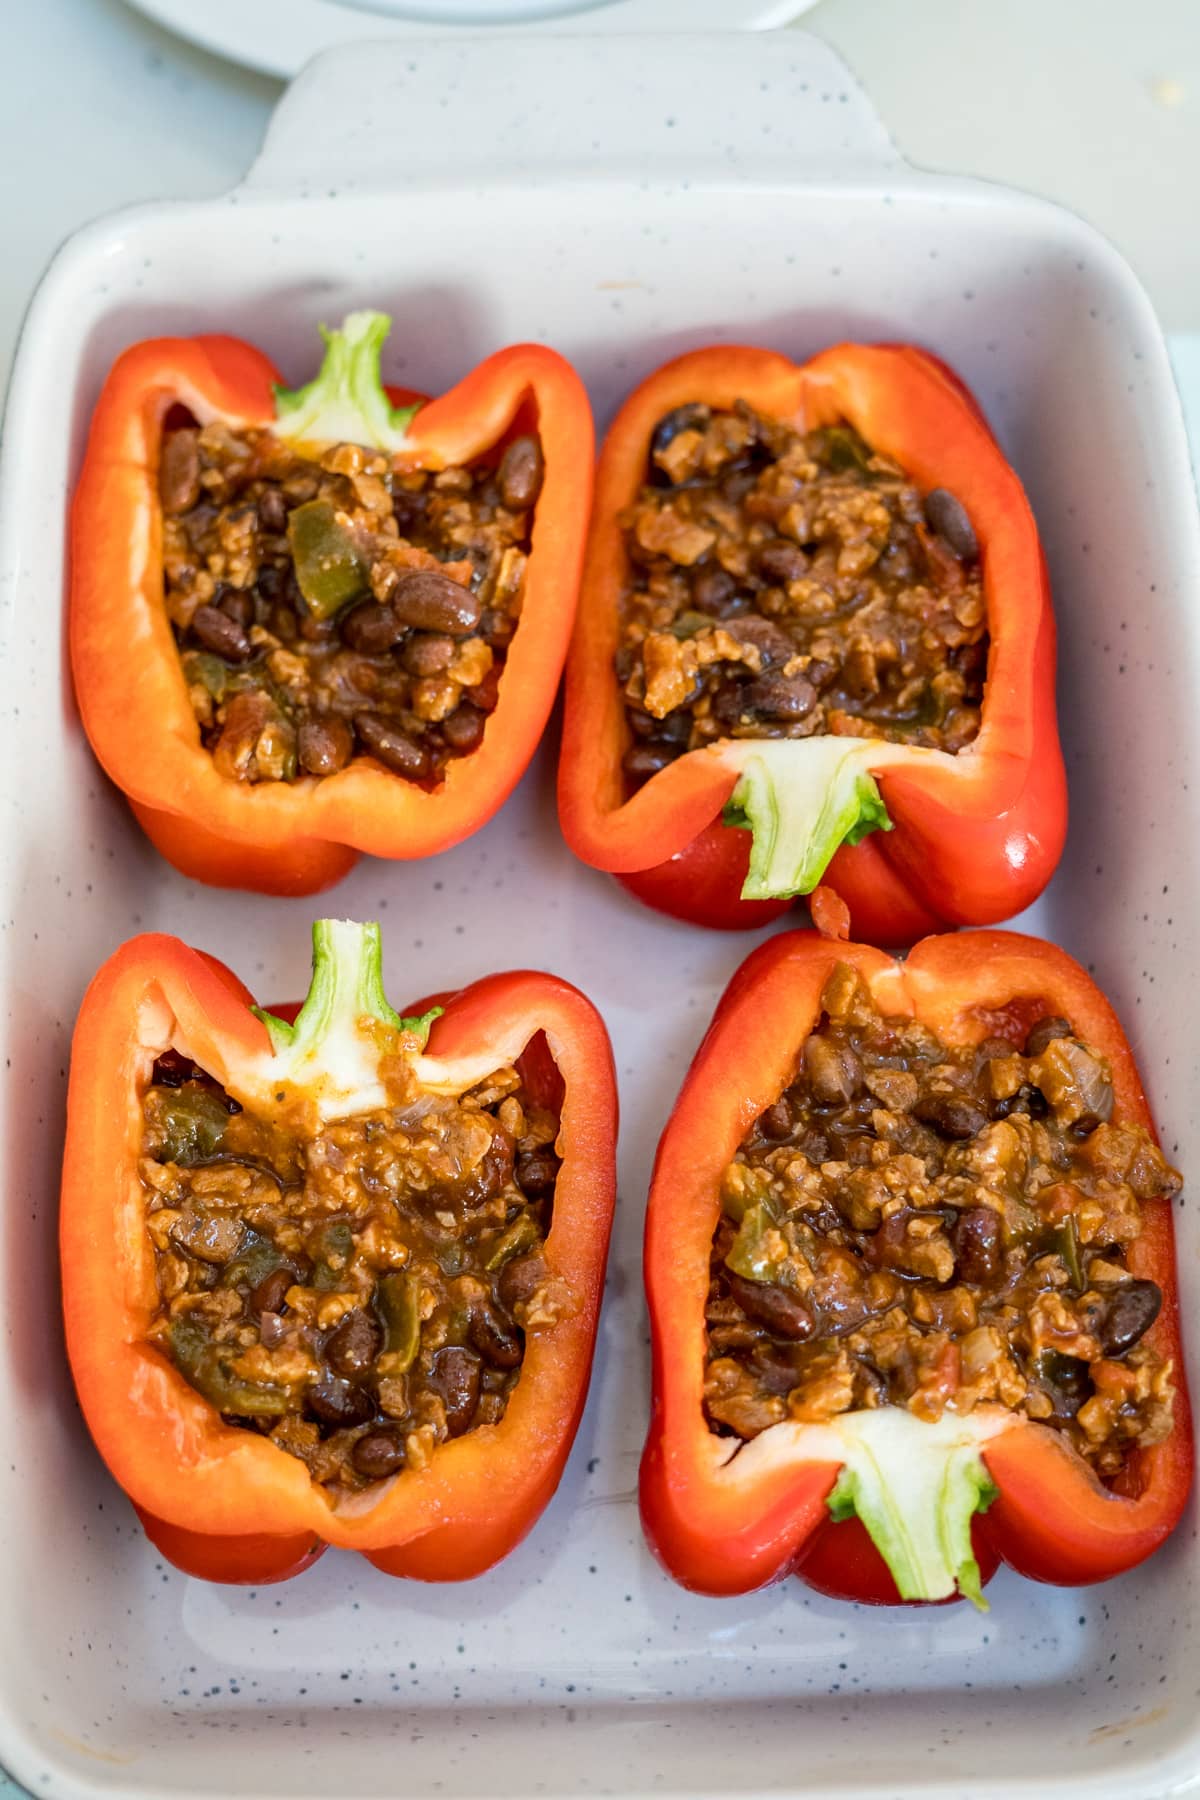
300 836
217 1499
724 1523
976 836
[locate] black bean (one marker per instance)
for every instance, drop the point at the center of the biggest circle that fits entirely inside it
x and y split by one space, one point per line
379 1453
776 1122
338 1402
641 761
770 640
394 749
179 470
519 1280
952 1116
776 1307
692 417
172 1070
1044 1033
456 1376
536 1172
977 1245
521 472
430 601
1065 1380
712 588
1128 1315
463 730
269 1294
408 506
324 745
354 1343
427 653
272 511
495 1340
782 561
237 604
948 516
780 696
217 632
371 629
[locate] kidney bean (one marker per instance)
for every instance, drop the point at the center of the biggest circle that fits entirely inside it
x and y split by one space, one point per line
712 589
217 632
641 761
833 1069
977 1246
394 749
338 1402
536 1172
486 692
463 730
379 1453
179 470
952 1116
1044 1033
1128 1315
457 1375
430 601
948 516
781 561
495 1340
427 653
519 1280
780 696
371 629
354 1343
776 1307
521 473
776 1122
771 641
269 1294
237 604
324 745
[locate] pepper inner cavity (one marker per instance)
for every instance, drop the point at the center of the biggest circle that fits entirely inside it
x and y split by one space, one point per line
933 1226
785 584
331 606
361 1292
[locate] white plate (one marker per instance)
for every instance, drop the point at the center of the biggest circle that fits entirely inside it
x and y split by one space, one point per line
624 200
279 36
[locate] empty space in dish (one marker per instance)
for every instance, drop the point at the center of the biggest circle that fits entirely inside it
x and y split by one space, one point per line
577 1666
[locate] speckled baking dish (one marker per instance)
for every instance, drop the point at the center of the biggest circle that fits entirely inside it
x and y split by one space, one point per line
623 200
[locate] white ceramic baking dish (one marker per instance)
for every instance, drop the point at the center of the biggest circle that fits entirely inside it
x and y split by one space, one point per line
622 200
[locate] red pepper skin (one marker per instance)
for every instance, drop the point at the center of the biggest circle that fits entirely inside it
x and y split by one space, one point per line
720 1531
179 1463
973 844
299 837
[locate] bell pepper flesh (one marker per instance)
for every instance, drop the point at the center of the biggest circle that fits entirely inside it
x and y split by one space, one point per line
220 1501
724 1524
300 836
977 835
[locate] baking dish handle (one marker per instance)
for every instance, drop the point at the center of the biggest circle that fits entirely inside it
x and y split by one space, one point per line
421 112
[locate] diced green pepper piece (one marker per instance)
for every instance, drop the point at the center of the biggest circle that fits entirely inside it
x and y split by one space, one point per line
399 1302
202 669
335 1247
1066 1242
515 1240
689 623
186 1125
330 569
206 1366
758 1251
843 449
252 1264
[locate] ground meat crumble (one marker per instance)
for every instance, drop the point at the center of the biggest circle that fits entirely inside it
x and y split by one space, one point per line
928 1226
787 583
329 607
359 1292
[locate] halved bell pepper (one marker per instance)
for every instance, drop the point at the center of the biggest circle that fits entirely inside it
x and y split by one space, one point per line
300 836
217 1499
726 1516
966 839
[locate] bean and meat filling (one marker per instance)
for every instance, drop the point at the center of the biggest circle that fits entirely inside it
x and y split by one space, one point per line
331 607
929 1226
361 1292
788 583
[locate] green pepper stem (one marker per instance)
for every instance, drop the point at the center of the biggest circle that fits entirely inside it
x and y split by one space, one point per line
346 402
